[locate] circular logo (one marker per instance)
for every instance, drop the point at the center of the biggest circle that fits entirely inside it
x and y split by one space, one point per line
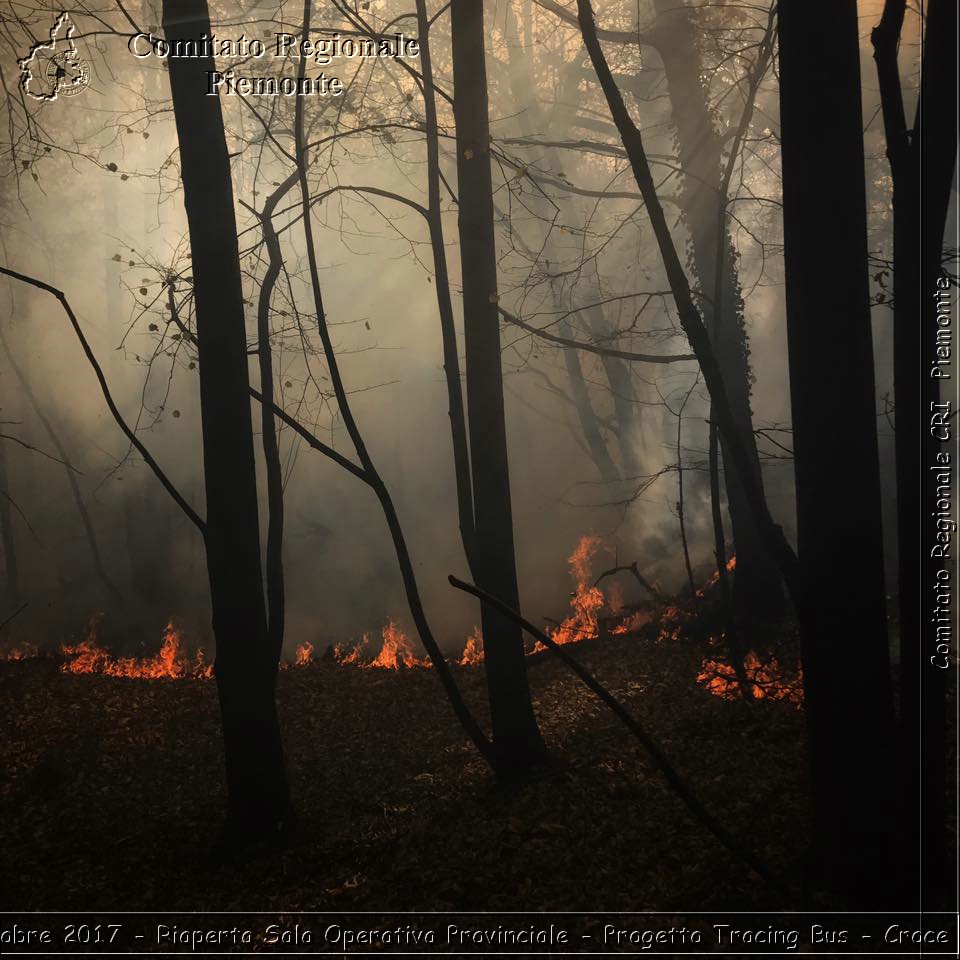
68 74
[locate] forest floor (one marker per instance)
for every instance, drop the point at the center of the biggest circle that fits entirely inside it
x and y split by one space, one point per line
111 792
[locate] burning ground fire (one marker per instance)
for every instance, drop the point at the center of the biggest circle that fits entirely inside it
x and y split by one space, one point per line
770 681
593 614
171 662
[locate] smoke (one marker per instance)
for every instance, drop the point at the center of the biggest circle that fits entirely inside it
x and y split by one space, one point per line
104 222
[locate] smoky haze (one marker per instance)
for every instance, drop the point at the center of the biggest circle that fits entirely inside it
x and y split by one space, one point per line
103 221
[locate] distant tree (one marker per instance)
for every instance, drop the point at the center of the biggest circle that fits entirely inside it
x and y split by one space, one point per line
516 737
757 590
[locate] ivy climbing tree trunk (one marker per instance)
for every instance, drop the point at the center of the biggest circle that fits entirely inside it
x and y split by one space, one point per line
757 589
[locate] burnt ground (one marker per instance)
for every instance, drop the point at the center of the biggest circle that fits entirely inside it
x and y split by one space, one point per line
112 789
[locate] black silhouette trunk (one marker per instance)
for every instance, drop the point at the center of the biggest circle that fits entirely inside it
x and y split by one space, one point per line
846 665
922 163
448 329
246 664
516 737
11 581
757 590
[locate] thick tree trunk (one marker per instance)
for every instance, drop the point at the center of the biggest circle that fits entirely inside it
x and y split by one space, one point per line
757 590
245 663
516 737
11 578
921 164
846 668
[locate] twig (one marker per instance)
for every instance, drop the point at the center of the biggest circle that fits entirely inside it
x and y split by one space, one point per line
632 568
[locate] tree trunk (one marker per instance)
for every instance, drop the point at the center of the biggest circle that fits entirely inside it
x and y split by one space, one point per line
448 330
245 663
921 166
840 543
516 737
757 590
12 582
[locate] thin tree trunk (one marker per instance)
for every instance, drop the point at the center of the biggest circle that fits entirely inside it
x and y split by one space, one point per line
448 330
246 664
367 470
680 513
516 736
276 601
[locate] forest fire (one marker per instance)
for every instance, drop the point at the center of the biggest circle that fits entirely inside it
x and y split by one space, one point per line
20 651
770 681
304 654
172 661
473 651
396 652
587 600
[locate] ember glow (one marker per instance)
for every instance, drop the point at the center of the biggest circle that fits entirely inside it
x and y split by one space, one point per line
20 651
770 680
172 662
304 655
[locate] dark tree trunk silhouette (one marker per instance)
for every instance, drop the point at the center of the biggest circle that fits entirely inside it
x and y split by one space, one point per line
846 670
516 737
922 161
276 600
441 276
246 664
757 590
12 582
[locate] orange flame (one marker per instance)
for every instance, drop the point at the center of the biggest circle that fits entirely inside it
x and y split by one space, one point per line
396 652
23 651
769 680
304 655
632 623
473 651
171 662
587 600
